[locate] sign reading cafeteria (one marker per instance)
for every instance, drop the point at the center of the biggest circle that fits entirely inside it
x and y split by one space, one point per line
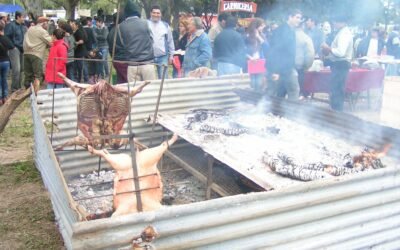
228 6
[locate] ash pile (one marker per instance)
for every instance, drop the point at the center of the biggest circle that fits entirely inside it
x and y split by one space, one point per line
284 146
94 191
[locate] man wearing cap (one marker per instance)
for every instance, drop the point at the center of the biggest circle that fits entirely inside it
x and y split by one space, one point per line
3 18
36 40
15 31
339 56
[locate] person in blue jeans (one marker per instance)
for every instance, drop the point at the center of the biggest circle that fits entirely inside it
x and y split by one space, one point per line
80 51
101 32
229 49
5 46
163 42
198 50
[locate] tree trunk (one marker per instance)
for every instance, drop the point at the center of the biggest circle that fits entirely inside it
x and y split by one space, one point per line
70 6
33 6
147 6
11 105
167 13
175 22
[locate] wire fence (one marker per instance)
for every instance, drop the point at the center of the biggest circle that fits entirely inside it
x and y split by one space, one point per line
110 62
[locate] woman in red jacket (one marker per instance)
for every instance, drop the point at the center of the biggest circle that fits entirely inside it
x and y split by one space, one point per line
54 63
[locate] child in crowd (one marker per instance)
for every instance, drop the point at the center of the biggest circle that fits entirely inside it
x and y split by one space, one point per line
57 61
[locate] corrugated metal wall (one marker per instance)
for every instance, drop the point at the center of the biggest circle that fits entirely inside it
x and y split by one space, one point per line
52 177
343 213
361 211
178 95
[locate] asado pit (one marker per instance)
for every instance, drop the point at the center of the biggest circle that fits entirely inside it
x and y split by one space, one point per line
179 188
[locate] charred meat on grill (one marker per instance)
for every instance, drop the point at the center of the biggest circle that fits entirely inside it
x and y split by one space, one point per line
368 159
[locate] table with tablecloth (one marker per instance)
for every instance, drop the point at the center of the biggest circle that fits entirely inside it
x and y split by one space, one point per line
358 80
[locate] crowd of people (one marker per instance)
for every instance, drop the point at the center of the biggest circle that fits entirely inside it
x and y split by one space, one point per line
275 56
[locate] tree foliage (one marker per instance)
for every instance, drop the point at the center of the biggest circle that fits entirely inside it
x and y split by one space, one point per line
359 12
108 6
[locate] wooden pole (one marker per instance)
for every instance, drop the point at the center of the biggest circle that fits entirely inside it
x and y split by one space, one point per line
11 105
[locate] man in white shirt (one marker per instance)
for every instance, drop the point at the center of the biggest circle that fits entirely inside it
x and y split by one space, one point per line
339 56
163 42
371 46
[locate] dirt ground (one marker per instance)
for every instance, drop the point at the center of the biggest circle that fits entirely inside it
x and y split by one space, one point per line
26 215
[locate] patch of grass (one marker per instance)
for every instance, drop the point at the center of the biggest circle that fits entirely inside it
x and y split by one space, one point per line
31 241
25 172
47 125
26 216
21 127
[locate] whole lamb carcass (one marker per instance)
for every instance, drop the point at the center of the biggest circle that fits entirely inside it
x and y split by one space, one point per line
102 110
149 178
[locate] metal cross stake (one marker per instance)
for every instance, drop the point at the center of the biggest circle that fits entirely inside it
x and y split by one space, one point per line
165 67
209 176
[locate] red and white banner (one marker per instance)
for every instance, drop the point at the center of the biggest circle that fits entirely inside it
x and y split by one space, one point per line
232 6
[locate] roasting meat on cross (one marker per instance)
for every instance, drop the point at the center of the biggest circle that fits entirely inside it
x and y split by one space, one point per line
102 110
149 178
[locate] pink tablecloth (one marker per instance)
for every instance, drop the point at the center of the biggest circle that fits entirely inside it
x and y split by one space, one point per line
358 80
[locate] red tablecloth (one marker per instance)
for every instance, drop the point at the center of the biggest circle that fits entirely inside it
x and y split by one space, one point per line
358 80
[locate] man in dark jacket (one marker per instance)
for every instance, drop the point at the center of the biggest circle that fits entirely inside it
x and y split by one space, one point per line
80 51
393 42
101 32
316 34
229 49
281 68
117 52
89 67
371 46
134 44
15 31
